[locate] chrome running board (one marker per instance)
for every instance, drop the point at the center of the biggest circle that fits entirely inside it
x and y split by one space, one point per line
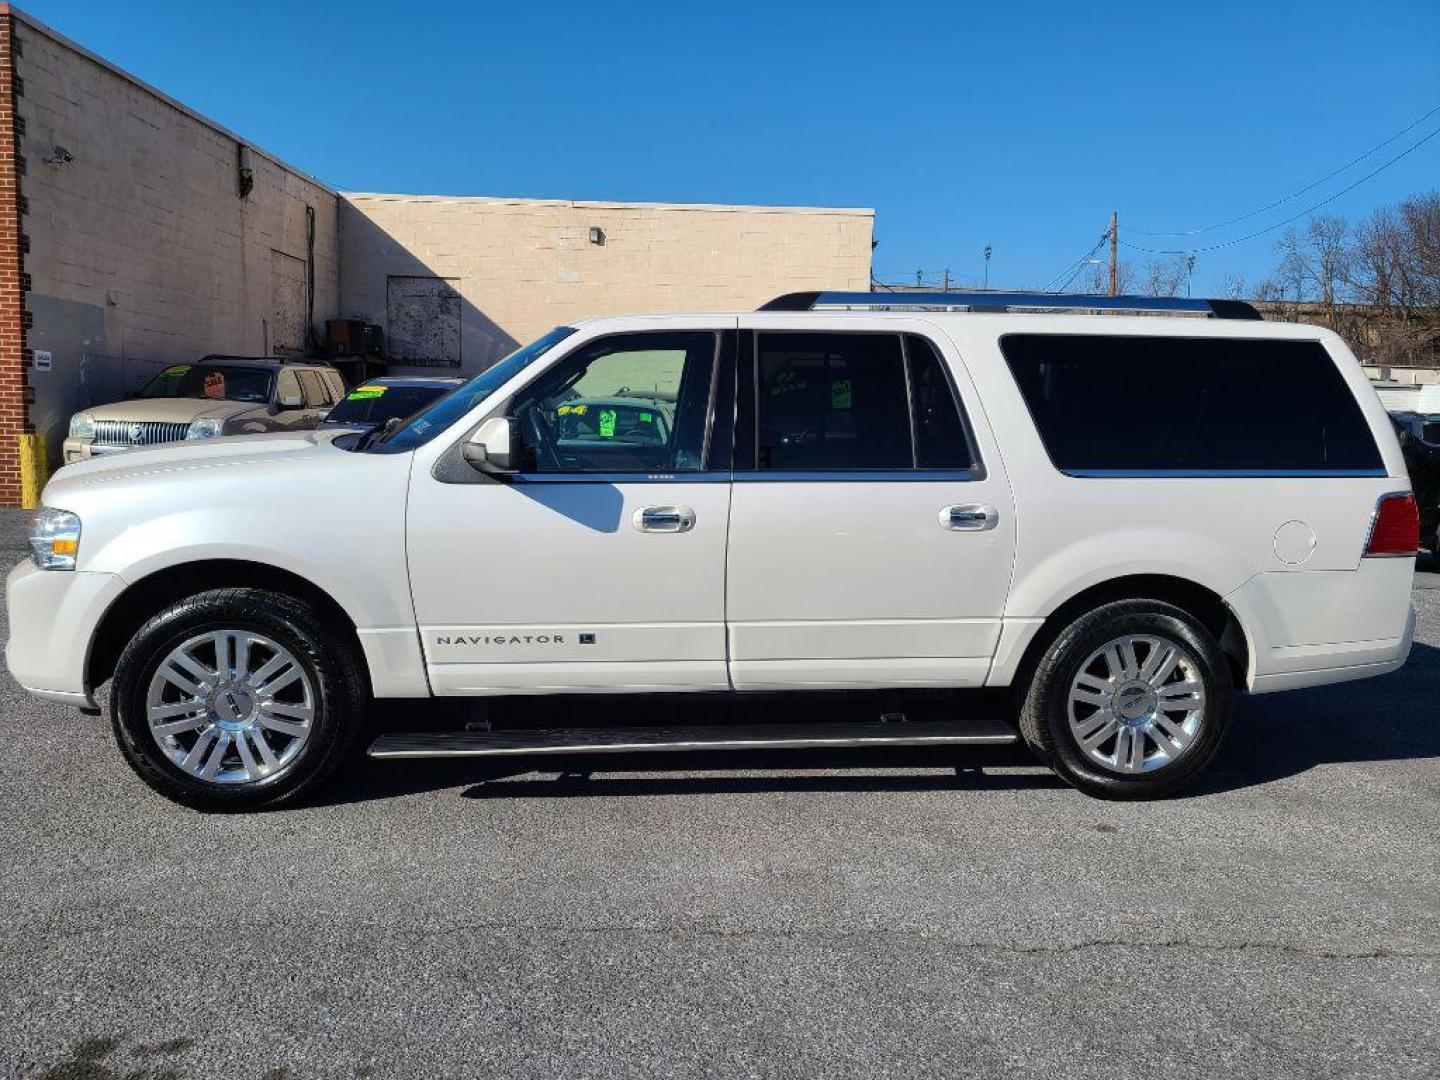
631 740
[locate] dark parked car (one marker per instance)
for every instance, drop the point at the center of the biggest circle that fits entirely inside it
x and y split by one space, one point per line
375 401
1420 440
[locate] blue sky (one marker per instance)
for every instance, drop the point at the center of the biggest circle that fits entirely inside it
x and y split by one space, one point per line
1020 125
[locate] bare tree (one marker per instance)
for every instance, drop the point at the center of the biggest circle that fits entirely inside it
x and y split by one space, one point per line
1165 277
1376 269
1097 281
1315 261
1233 287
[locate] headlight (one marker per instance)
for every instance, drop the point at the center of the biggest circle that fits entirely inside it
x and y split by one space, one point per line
54 539
82 426
204 429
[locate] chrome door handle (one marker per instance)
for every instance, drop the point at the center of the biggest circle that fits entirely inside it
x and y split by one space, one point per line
969 517
664 519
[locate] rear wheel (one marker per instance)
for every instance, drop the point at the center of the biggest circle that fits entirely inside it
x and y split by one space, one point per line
237 699
1130 701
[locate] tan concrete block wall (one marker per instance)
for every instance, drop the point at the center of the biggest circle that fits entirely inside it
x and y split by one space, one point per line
523 266
141 252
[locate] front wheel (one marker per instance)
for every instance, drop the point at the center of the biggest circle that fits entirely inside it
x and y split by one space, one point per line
1130 701
237 699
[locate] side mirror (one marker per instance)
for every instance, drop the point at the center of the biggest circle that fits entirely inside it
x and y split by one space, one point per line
494 447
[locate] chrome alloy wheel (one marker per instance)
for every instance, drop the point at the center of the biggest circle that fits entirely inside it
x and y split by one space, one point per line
230 707
1137 704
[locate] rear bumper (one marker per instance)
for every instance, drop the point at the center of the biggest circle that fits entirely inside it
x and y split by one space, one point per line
53 616
1319 627
1392 655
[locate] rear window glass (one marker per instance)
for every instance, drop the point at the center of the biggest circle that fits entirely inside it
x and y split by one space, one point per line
1137 404
374 403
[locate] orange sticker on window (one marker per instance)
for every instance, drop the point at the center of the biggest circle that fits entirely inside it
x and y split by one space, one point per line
214 384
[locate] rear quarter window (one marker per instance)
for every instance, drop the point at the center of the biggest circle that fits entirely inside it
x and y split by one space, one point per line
1134 405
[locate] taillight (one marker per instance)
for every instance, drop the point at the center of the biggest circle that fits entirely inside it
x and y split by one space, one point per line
1396 527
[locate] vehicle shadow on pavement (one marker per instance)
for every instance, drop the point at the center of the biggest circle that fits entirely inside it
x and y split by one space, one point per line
579 775
1392 718
552 776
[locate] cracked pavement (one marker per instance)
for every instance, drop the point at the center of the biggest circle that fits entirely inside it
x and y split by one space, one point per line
702 916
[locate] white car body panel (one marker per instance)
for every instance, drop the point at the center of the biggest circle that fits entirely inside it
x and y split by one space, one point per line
815 583
289 501
854 582
564 559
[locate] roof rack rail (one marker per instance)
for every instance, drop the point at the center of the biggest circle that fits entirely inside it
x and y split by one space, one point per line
1014 301
217 358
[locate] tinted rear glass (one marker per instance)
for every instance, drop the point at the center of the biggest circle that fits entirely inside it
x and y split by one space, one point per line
375 403
833 401
940 441
1135 404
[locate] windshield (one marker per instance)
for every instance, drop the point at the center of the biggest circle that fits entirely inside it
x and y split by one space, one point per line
217 382
424 426
374 403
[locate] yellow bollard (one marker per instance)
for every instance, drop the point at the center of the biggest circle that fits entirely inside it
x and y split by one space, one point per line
34 469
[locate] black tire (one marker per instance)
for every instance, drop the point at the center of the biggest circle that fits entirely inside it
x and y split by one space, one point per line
1044 715
335 671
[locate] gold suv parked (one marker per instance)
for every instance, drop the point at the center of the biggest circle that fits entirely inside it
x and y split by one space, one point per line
221 395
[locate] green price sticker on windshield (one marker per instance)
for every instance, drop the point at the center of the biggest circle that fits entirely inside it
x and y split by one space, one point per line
365 393
607 423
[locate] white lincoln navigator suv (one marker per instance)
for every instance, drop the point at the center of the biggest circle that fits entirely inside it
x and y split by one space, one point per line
1125 509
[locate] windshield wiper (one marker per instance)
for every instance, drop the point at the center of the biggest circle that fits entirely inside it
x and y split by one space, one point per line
379 434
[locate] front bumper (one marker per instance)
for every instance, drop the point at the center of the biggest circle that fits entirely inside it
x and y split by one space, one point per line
53 617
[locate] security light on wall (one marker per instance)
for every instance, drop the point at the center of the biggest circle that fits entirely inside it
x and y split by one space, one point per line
597 235
59 156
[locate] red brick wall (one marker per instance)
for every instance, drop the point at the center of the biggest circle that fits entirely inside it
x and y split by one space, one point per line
15 395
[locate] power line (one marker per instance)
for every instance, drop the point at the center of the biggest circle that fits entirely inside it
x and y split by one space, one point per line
1294 217
1295 194
1074 268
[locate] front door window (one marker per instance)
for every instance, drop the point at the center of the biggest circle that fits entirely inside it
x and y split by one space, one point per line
632 403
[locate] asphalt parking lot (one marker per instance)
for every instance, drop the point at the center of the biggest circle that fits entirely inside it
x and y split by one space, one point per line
714 919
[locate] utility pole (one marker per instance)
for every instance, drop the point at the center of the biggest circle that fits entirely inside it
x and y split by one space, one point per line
1190 272
1114 252
987 266
947 279
917 279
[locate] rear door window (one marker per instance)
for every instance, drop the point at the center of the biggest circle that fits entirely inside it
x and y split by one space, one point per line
940 435
287 391
832 402
1136 404
846 402
316 396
